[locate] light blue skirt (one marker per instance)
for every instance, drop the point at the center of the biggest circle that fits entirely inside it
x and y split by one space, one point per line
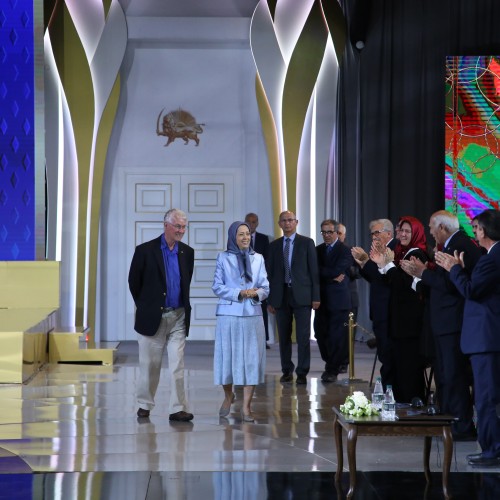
240 350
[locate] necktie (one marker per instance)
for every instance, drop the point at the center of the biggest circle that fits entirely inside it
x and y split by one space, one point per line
328 249
286 258
252 241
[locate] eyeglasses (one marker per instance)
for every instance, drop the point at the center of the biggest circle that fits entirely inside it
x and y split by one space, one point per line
376 233
327 232
178 226
284 221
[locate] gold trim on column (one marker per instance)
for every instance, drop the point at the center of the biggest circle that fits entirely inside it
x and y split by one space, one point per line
272 145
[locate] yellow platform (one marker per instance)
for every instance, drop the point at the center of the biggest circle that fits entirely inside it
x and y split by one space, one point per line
68 345
29 333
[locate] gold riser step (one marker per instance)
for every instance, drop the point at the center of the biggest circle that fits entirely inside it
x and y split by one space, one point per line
67 347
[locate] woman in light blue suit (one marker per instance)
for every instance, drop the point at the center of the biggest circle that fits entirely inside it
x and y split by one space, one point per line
241 284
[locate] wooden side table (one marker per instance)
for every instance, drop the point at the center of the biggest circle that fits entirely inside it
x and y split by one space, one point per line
406 425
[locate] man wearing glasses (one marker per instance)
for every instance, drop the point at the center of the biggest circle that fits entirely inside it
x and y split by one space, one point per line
294 282
159 281
381 233
331 319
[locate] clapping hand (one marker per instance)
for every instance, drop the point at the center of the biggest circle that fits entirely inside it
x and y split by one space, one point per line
413 267
359 255
447 261
380 254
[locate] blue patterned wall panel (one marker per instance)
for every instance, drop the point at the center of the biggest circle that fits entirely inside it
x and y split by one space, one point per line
17 138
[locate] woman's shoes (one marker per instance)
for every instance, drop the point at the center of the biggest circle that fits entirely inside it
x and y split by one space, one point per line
247 417
225 409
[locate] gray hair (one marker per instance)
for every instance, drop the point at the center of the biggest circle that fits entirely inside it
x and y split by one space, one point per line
447 220
330 222
174 213
386 225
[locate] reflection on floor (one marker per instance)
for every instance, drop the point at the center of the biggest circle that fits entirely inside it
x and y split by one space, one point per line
72 433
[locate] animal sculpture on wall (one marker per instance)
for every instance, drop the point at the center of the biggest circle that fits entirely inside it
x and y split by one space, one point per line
179 124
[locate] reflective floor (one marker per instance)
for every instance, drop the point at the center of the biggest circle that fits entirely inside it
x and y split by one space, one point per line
72 432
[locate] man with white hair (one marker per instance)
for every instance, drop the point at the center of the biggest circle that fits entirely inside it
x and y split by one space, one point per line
159 281
451 367
381 232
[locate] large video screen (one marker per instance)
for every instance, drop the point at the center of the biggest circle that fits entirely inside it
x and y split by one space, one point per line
472 173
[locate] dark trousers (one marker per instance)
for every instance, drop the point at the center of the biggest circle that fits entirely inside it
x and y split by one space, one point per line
381 332
486 371
332 335
284 318
408 364
452 376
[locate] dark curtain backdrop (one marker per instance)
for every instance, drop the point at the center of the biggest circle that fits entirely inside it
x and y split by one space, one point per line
391 104
391 125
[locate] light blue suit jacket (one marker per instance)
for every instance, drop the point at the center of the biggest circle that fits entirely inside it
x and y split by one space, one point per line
228 283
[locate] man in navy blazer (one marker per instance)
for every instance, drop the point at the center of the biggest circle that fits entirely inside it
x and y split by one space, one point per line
446 305
381 232
331 319
159 281
260 243
294 284
481 330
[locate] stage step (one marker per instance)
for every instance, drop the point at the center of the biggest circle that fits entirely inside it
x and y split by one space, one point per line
69 345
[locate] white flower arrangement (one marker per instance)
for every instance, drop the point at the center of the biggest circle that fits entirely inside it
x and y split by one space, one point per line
358 405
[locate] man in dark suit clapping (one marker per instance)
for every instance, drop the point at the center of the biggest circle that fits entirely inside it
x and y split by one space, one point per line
446 305
260 243
381 232
480 330
294 281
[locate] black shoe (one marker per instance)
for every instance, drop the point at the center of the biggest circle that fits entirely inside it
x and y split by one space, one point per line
286 377
485 462
329 377
473 456
371 343
181 416
268 346
343 368
142 413
301 380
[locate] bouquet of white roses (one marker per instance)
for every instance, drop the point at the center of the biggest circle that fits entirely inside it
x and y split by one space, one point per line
358 405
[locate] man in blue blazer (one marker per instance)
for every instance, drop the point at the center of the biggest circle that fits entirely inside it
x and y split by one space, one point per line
330 321
159 281
292 269
260 243
481 330
446 304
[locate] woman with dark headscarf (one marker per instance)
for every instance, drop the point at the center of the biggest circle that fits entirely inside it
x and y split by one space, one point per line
406 309
241 284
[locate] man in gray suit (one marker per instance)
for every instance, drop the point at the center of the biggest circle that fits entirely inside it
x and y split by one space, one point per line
294 281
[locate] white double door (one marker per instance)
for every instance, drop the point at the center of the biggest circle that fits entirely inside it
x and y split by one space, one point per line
212 202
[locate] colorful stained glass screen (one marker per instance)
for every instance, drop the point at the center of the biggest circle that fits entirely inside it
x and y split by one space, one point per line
472 173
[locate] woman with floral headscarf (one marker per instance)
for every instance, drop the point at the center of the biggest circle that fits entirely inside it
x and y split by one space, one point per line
241 284
406 309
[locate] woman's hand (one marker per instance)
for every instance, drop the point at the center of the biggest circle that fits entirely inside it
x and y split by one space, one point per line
250 293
